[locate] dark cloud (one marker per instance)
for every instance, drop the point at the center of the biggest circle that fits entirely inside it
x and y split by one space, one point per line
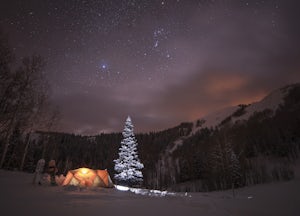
205 92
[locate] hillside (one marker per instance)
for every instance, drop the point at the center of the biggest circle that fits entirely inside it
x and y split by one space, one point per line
263 136
237 113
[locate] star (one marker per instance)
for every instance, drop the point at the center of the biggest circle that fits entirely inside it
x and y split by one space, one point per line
135 44
103 65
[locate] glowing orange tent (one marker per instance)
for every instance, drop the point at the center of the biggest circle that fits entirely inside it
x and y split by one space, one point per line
88 178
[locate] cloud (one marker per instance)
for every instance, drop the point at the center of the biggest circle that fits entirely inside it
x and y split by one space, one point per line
221 60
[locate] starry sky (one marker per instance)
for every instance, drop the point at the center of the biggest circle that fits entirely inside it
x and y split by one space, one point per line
162 62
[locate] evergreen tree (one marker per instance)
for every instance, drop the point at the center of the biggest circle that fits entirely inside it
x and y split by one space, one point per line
225 165
128 166
234 169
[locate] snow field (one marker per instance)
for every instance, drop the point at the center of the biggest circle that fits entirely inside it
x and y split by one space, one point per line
18 197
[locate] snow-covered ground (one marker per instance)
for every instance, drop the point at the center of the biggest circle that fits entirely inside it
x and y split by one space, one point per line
19 197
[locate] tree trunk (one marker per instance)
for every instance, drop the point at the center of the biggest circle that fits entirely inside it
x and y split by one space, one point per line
10 131
233 192
7 139
25 152
6 145
45 144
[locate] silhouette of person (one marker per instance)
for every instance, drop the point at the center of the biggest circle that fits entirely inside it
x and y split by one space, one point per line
39 171
52 170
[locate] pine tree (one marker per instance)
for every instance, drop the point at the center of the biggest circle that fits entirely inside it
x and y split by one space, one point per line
128 166
225 165
234 169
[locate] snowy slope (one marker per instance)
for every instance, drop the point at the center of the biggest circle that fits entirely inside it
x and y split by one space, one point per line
215 118
19 197
212 120
271 101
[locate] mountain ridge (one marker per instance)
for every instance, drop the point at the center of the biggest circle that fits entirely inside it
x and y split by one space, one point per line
271 101
237 114
263 134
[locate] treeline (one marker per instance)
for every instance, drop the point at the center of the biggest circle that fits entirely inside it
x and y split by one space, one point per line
98 152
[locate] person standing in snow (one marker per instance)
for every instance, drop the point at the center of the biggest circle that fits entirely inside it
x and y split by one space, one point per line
39 171
52 170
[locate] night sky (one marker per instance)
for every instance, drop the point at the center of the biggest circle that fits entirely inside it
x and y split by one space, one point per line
161 62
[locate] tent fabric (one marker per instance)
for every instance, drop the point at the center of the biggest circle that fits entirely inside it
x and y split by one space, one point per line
88 178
